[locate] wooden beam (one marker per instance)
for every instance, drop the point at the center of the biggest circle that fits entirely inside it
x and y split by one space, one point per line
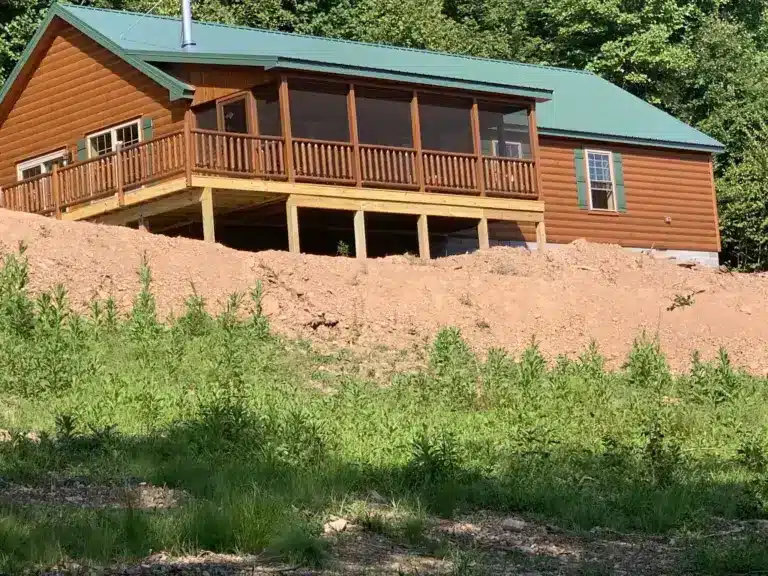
541 236
361 251
169 204
285 122
423 230
206 204
482 234
332 191
477 143
533 131
416 134
292 214
353 135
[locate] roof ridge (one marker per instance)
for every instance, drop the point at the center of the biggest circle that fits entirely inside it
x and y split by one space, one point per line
338 40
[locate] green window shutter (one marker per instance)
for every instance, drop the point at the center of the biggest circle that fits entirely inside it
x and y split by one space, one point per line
82 150
618 176
581 177
147 128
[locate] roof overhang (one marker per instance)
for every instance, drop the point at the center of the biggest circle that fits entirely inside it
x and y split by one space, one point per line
176 88
713 149
270 62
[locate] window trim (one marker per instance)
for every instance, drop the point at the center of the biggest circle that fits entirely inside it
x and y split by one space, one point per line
587 152
495 149
113 131
39 161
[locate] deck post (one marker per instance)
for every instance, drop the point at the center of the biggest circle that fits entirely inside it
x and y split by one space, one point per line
361 250
423 229
117 161
541 236
143 224
292 214
285 122
55 192
353 135
188 147
416 130
482 234
533 131
206 204
478 146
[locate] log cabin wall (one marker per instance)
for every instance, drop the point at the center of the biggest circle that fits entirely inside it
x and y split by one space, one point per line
659 184
77 87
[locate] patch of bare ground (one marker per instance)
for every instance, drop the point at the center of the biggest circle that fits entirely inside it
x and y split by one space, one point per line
565 297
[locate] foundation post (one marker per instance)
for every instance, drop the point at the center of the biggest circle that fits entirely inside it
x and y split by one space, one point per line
541 236
143 224
206 203
361 250
292 214
423 228
482 234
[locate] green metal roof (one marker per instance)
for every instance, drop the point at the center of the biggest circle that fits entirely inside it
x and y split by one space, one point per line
572 103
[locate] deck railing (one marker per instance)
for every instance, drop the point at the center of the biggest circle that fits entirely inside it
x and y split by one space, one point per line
251 156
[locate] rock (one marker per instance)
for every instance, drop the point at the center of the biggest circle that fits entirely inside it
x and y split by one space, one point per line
374 496
33 437
5 436
514 524
334 526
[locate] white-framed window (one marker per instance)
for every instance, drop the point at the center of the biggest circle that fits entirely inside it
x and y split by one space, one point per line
511 149
105 141
600 180
40 165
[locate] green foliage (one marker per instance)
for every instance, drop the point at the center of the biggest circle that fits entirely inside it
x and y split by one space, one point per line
220 408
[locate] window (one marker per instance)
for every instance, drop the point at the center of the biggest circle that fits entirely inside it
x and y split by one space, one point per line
268 110
319 111
600 178
446 124
234 116
504 130
384 117
105 141
40 165
510 149
205 117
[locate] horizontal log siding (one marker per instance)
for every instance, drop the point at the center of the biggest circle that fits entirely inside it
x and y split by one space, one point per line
212 82
658 183
78 87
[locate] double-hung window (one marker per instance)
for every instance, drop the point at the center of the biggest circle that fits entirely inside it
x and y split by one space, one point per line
601 182
106 141
40 165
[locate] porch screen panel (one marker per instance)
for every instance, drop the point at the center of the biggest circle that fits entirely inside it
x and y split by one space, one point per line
268 110
504 131
384 117
319 111
446 124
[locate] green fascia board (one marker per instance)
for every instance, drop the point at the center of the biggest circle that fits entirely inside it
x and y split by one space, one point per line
176 89
617 139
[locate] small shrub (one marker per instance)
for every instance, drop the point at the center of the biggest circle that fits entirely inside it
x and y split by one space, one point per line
532 365
753 454
433 459
342 249
662 454
646 366
454 368
196 320
298 545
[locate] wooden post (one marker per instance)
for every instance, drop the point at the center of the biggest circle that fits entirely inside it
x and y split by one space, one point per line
353 135
482 234
285 121
541 236
361 250
143 224
533 131
423 228
416 129
55 192
292 214
206 203
478 147
189 152
117 160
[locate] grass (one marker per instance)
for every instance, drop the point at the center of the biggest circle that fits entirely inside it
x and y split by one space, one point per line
233 415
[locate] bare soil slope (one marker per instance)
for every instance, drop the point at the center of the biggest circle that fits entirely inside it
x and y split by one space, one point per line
565 297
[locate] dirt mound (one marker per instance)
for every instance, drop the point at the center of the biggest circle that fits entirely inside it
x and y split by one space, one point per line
565 297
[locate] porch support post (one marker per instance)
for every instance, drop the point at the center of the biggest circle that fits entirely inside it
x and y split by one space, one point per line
285 122
482 234
361 250
55 192
206 203
416 130
189 157
423 228
353 135
292 213
478 146
533 131
541 236
117 160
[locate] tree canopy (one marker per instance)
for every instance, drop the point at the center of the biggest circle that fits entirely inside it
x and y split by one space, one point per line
705 61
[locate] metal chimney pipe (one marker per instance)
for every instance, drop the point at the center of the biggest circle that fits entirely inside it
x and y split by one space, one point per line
186 25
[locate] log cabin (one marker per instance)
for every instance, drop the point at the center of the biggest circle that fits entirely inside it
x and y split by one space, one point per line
267 140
